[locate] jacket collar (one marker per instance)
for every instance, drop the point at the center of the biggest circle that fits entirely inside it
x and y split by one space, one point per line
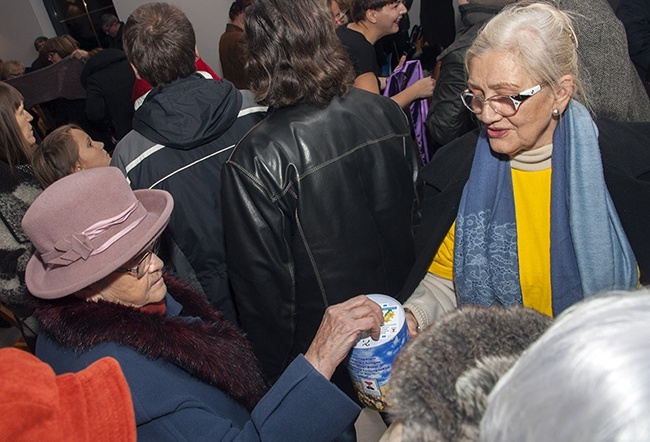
207 346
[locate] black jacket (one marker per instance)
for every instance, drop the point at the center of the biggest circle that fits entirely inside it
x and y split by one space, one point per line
182 134
626 166
108 79
635 16
321 207
448 118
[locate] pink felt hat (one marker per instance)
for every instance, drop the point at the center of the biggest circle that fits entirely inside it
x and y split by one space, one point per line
87 225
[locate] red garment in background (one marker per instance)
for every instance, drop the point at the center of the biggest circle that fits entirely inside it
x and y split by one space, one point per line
142 86
91 405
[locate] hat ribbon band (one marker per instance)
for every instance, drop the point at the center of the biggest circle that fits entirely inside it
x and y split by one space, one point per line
78 245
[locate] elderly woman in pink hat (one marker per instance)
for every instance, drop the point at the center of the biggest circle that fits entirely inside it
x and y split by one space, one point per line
102 292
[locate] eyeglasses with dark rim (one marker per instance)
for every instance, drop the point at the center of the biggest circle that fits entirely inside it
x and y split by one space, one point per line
143 260
504 105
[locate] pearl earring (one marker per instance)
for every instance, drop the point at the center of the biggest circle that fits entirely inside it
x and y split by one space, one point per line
556 113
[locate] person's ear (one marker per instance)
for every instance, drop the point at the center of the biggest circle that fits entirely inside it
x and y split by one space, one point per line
88 294
371 16
135 71
564 92
196 53
77 167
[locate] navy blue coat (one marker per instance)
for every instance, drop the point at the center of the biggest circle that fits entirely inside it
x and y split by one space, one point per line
172 404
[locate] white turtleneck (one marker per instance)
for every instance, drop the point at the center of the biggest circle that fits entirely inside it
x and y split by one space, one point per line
533 160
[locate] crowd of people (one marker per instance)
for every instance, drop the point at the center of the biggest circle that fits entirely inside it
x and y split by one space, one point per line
209 257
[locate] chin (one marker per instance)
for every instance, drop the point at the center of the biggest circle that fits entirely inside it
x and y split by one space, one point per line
160 291
505 148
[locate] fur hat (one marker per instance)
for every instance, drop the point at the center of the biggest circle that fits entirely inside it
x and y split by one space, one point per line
497 3
441 380
87 225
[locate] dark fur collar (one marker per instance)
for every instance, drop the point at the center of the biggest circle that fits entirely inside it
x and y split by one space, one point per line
216 352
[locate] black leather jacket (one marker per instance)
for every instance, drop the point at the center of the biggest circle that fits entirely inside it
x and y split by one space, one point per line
320 205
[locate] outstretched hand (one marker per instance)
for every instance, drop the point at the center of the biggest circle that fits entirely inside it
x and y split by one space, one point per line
80 54
339 331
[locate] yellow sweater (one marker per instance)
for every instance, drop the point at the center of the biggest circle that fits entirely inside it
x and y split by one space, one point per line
531 182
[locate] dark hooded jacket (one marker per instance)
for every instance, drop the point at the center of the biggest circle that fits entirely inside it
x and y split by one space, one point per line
182 134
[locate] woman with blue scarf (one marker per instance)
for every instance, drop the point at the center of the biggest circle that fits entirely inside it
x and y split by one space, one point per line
541 206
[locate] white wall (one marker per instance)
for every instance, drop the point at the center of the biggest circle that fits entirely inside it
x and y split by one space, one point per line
22 21
209 18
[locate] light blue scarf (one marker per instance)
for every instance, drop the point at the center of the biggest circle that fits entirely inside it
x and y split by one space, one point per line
589 250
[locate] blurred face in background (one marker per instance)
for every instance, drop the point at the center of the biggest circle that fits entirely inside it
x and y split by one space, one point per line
53 57
388 17
339 16
111 30
15 71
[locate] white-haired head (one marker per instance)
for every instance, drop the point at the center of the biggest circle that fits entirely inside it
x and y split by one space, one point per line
586 379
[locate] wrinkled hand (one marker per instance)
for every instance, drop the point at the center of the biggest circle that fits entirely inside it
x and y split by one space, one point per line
423 88
411 323
339 331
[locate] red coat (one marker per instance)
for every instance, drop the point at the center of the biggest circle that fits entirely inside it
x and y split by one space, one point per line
93 404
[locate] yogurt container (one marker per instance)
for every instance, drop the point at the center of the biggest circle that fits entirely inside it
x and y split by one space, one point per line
370 362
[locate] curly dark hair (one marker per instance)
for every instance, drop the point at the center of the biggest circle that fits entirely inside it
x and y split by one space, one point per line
159 41
294 54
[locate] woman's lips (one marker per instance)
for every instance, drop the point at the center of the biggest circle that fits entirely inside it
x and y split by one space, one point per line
497 133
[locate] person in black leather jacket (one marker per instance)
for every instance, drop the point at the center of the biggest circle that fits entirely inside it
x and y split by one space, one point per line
320 197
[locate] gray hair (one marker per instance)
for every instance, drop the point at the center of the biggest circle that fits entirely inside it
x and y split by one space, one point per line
585 379
108 20
543 39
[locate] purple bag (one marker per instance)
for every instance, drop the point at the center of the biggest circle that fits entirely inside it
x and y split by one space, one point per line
400 79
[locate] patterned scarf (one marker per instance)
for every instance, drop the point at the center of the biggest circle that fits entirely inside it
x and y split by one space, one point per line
589 250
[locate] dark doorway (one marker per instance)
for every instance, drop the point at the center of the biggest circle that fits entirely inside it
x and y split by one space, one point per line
80 18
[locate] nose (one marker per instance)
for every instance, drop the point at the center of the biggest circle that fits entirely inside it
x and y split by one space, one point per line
488 115
155 263
29 116
403 9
